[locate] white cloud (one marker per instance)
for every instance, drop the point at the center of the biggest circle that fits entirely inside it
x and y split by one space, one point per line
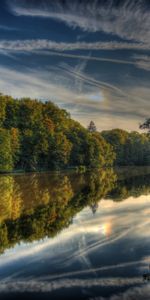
130 20
110 105
41 44
35 84
142 61
48 47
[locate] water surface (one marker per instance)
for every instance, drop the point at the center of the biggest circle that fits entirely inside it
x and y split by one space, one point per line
84 236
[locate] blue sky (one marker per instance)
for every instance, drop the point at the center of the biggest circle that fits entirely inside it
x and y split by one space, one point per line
90 57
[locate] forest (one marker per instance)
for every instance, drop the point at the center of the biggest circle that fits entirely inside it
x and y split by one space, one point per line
36 136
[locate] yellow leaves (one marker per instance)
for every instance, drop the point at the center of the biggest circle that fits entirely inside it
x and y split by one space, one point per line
14 134
6 192
48 124
6 159
15 140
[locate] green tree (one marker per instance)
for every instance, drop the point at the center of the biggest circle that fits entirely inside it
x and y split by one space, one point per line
2 109
117 138
6 159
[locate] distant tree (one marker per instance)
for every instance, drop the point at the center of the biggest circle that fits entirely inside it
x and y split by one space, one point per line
131 148
117 138
92 127
146 125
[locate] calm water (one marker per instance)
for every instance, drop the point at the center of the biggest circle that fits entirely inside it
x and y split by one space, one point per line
75 236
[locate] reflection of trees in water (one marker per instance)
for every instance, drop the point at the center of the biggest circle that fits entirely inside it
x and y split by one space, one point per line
6 191
34 206
96 186
134 186
10 199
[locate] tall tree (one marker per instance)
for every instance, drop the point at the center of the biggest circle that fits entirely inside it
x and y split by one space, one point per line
92 127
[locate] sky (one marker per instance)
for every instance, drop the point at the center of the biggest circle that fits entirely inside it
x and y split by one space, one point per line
91 57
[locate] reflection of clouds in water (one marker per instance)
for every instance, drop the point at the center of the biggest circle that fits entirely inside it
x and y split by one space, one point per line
58 281
44 286
96 246
142 265
137 293
103 229
113 221
107 229
128 219
23 250
87 235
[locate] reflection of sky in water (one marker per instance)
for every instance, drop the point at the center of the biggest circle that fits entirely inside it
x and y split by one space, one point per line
101 254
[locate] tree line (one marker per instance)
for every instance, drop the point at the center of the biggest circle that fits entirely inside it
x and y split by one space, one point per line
36 135
131 148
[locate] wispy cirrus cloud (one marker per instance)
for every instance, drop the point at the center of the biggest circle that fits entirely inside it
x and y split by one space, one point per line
7 28
129 20
41 44
80 93
142 61
35 84
48 47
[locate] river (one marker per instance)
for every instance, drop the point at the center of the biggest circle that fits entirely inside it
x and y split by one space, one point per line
67 235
